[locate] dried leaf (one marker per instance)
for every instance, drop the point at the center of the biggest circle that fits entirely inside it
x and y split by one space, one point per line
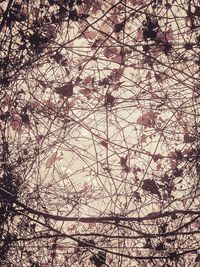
73 15
98 259
5 116
188 138
148 76
152 215
137 196
116 74
136 2
83 16
16 123
65 90
52 159
174 256
87 80
91 224
50 104
139 35
118 59
105 27
25 118
156 157
148 119
104 143
91 34
109 100
163 228
110 52
160 246
179 154
169 34
104 81
33 104
60 247
71 103
151 186
119 27
86 92
148 243
123 161
188 152
178 172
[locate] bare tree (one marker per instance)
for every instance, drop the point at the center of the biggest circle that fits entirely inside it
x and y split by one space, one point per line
99 121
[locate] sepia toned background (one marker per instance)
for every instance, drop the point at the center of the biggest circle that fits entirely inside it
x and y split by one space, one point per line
99 129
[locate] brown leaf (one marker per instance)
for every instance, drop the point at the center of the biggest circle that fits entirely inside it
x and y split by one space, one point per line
25 118
86 92
179 154
65 90
87 80
51 160
148 75
188 152
119 27
188 138
156 157
91 34
60 247
104 143
109 100
139 35
116 74
118 59
104 82
151 186
148 119
123 161
71 103
16 123
92 224
136 2
110 52
169 34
